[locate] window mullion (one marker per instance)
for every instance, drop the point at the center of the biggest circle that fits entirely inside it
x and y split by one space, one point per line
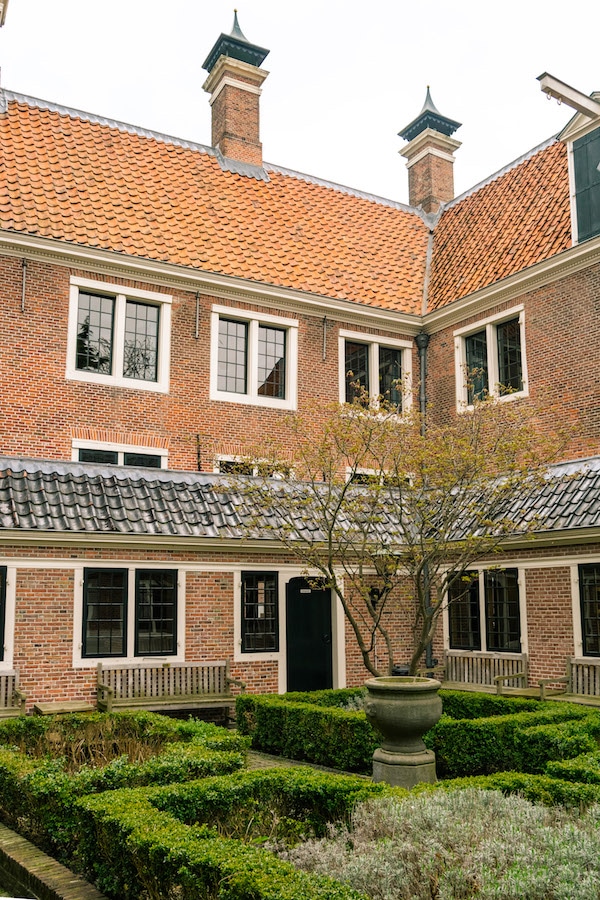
492 358
252 358
130 613
373 357
119 336
482 613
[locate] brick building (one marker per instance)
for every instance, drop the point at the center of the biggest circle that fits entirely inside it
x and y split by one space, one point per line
165 303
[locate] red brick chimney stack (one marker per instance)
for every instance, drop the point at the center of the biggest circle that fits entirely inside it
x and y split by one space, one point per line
234 83
430 157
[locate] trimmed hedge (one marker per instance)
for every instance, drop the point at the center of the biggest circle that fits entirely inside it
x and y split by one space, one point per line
37 794
483 746
135 841
474 705
323 735
584 768
536 788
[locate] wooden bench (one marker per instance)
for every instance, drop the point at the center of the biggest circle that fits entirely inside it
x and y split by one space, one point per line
506 673
162 686
62 707
12 698
581 682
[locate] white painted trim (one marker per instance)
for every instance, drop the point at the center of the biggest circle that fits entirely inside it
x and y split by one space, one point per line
374 342
254 320
81 444
9 619
121 295
81 662
576 609
572 194
430 151
227 81
460 361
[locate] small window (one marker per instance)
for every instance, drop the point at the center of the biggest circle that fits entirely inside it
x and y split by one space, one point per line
260 603
485 613
106 612
118 336
243 467
589 597
121 457
372 371
586 165
490 359
253 359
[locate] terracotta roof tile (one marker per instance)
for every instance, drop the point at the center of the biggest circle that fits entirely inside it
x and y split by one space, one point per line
79 180
516 220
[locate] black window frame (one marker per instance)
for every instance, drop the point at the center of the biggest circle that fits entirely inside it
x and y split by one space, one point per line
121 586
464 613
502 610
586 152
3 578
589 602
268 634
170 637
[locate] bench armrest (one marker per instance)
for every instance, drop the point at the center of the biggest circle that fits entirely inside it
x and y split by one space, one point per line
21 696
241 684
556 679
101 690
498 679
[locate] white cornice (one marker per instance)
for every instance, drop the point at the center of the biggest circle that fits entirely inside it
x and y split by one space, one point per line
225 64
430 151
429 138
567 262
23 537
236 83
107 262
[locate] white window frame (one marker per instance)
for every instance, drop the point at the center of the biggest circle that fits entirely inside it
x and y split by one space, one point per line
78 444
121 295
86 662
374 342
254 320
488 324
482 617
7 663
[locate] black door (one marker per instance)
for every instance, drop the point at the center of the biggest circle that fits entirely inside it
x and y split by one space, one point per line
308 631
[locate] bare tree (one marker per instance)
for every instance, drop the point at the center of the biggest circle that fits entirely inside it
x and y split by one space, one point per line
382 509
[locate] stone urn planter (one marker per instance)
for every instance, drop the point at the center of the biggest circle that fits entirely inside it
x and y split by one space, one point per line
402 708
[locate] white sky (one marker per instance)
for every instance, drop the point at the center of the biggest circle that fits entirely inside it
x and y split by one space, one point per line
345 76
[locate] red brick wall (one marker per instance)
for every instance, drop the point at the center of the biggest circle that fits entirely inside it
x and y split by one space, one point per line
550 621
430 182
236 124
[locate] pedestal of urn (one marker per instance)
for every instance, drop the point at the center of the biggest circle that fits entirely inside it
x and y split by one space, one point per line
402 709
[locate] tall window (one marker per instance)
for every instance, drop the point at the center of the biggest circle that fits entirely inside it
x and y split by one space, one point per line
589 596
118 337
260 601
2 610
106 612
485 613
253 360
586 165
374 371
490 359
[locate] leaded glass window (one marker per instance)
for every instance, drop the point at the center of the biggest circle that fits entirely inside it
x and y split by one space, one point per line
390 375
502 613
510 372
260 602
140 355
357 370
104 612
156 612
233 350
271 362
464 613
477 365
95 319
589 594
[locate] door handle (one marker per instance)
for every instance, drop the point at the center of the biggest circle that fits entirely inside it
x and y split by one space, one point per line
326 638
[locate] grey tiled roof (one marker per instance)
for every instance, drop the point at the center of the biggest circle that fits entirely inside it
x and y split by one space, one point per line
71 497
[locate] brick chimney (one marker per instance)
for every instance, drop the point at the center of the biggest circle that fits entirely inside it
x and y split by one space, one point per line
430 157
234 84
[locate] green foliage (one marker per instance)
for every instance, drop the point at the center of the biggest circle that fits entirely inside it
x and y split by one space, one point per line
486 745
38 792
325 735
536 788
584 768
460 844
476 705
156 840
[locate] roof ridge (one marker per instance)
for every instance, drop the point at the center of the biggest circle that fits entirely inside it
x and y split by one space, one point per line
6 95
503 171
354 192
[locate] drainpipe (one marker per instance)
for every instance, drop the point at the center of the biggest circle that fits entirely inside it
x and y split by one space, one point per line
422 341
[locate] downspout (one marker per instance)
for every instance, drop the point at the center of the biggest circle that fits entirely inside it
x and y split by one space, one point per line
422 342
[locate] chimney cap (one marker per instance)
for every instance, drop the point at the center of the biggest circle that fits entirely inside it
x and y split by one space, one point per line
429 117
237 46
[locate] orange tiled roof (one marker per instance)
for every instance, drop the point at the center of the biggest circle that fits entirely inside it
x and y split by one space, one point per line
516 220
79 179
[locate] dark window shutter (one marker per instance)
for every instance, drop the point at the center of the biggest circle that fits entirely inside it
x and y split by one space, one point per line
586 159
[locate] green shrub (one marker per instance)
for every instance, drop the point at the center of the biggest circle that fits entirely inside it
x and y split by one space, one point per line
323 735
584 768
137 841
538 745
482 746
477 705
